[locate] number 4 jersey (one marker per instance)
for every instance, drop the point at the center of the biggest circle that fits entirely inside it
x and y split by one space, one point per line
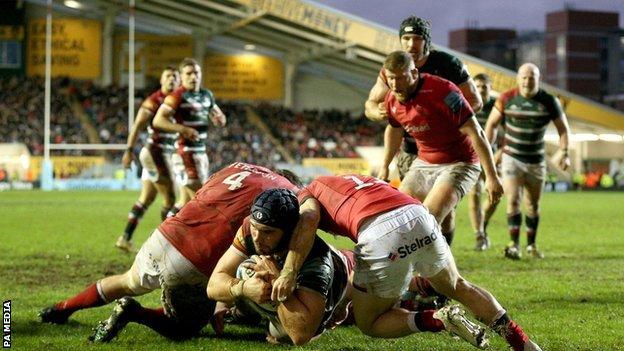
346 201
205 227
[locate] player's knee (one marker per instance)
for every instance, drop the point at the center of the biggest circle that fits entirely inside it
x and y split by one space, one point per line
133 284
367 329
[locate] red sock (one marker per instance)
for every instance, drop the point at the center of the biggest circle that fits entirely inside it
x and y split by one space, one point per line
515 336
425 322
145 315
511 331
156 319
88 298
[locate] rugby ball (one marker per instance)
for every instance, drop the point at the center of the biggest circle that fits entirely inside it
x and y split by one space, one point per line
267 309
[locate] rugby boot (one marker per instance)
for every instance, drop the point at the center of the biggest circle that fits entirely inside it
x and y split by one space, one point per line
482 242
512 251
107 330
455 322
532 251
54 315
124 244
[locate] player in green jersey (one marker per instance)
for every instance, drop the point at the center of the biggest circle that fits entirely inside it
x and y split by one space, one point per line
525 112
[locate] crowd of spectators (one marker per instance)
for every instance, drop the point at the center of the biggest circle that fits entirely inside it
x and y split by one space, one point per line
321 133
21 113
310 133
107 108
239 141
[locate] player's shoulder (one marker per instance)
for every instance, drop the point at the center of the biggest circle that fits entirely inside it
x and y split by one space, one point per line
543 95
175 97
443 57
157 95
509 94
178 92
551 102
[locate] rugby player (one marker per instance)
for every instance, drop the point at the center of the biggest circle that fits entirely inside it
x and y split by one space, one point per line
526 112
415 37
480 216
178 257
155 158
449 138
396 237
192 108
322 280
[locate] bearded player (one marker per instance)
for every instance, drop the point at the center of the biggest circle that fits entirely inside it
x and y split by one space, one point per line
155 158
415 39
178 257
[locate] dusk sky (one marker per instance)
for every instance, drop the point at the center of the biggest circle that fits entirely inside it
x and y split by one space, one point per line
446 15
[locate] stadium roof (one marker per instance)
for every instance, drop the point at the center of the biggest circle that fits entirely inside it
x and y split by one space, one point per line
304 32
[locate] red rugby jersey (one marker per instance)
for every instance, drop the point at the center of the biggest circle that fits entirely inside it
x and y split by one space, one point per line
153 102
158 138
348 200
433 116
205 227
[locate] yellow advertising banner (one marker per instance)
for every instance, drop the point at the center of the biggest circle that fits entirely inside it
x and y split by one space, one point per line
65 166
12 33
153 52
76 48
330 22
244 77
340 165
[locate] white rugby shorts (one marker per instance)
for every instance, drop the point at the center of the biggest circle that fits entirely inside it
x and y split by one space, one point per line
155 170
529 173
394 246
422 176
160 262
195 168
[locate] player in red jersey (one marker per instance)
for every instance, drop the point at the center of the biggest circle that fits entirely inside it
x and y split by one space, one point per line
192 108
179 258
415 38
449 138
396 238
155 158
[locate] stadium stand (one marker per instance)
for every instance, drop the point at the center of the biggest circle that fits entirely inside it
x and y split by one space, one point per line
309 133
314 133
22 109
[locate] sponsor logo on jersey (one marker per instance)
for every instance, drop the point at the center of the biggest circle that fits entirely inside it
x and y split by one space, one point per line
416 245
417 129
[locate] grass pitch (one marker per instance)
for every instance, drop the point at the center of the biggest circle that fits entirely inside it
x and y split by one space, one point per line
54 244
